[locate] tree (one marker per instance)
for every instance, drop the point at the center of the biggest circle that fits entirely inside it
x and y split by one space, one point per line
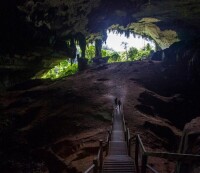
148 47
125 47
114 57
132 53
90 52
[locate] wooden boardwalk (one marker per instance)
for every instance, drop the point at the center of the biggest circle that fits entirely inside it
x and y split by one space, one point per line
117 160
118 146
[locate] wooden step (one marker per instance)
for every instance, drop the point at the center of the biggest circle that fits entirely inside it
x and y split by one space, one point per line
118 148
118 160
117 135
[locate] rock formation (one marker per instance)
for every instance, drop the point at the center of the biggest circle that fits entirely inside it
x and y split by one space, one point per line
34 33
190 144
38 117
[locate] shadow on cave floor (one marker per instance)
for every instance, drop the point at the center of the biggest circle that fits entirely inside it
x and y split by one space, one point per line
29 84
177 109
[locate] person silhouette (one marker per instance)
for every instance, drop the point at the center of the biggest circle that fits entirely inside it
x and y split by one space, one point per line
119 103
116 102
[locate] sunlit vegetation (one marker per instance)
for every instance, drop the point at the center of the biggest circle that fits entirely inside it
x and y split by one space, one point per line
63 69
66 67
135 54
131 54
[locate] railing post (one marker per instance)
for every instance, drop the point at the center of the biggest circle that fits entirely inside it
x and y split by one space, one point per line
107 142
95 170
144 163
128 136
129 147
101 154
125 130
136 153
125 134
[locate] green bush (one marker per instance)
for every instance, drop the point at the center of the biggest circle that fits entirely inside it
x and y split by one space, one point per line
135 54
63 69
90 53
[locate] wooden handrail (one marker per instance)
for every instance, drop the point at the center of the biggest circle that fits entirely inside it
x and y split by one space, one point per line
145 154
128 134
152 169
174 156
100 154
126 131
95 169
98 161
90 169
141 143
124 123
108 141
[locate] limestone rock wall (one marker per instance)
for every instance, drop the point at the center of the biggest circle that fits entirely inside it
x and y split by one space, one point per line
32 27
186 56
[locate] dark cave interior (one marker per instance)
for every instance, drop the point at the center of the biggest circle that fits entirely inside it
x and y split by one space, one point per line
53 126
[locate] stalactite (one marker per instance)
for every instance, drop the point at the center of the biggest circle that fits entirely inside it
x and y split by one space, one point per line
82 43
98 47
72 48
104 35
127 33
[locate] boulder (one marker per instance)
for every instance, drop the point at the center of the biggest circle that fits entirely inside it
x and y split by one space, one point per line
157 56
100 60
82 64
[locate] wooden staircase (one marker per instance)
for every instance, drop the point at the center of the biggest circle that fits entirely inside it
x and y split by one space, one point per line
118 150
117 160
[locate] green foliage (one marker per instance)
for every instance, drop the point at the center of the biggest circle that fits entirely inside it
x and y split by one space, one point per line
90 53
63 69
131 54
114 57
134 54
148 47
105 52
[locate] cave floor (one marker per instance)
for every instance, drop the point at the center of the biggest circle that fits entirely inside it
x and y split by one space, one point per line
55 126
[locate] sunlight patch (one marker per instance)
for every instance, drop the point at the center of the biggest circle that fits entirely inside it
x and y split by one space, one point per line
63 69
117 41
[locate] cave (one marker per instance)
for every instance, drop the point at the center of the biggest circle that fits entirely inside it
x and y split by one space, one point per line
53 125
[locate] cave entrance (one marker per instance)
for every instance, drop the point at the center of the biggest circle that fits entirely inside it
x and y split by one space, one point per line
116 41
118 47
121 47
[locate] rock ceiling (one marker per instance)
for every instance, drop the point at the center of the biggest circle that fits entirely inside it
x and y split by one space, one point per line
43 21
34 32
88 16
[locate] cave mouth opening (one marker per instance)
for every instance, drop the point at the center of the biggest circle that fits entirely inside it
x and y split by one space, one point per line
119 44
118 47
116 40
122 47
